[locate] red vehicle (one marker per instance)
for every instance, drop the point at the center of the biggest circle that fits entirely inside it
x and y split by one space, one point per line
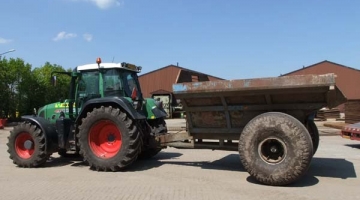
351 131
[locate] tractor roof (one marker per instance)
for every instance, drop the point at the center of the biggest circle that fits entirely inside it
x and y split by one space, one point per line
105 66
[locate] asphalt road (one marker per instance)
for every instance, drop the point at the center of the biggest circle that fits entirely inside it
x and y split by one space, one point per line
184 174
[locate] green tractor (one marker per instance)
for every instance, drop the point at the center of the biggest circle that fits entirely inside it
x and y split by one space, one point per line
106 120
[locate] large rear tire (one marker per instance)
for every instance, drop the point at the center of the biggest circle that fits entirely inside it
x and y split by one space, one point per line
109 140
275 148
314 133
27 146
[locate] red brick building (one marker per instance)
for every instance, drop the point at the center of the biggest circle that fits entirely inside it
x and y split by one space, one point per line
162 79
348 79
158 84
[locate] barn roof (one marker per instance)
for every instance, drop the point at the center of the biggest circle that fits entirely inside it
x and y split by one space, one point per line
180 68
313 65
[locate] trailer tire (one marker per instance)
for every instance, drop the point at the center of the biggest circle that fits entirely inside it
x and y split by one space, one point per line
275 148
314 133
109 140
27 146
158 128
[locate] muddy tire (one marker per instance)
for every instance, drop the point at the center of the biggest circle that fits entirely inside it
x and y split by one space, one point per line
27 146
275 148
109 140
158 128
314 133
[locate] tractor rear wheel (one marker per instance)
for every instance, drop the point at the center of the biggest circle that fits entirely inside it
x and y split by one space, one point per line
108 139
275 148
27 146
314 133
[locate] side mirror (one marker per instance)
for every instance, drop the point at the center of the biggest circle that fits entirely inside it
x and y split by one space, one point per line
53 80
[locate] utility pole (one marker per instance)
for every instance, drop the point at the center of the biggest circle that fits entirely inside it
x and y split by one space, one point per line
11 50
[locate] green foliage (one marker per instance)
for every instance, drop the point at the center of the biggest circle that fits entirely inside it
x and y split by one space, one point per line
23 89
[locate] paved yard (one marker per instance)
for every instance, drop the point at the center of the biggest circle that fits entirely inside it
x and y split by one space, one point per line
184 174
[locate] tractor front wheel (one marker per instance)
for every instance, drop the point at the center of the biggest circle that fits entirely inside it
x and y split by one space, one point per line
108 139
26 146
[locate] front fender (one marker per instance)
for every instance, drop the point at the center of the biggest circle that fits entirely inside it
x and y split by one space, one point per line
153 109
159 112
47 128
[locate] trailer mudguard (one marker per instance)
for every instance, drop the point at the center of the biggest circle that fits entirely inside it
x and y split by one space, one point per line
47 128
110 101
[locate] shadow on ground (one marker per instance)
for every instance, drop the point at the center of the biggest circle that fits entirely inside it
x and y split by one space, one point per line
332 168
70 159
355 146
163 158
320 167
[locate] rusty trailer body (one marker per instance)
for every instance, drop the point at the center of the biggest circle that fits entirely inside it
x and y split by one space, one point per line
273 113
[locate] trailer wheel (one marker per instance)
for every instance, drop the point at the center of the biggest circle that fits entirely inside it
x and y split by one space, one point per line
275 148
158 128
314 133
26 146
108 139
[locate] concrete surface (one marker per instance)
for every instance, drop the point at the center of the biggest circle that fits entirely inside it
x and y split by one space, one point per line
184 174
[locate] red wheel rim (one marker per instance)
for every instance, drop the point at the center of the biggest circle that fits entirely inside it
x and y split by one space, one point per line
105 139
20 147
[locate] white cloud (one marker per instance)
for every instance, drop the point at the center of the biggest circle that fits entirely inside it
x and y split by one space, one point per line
63 35
88 37
104 4
4 41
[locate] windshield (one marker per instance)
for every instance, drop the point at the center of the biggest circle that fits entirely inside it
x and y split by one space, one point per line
112 83
119 83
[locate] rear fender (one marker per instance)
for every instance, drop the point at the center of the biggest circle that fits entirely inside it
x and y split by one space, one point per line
110 101
47 128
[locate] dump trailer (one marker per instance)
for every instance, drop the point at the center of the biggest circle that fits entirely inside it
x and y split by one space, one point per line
269 121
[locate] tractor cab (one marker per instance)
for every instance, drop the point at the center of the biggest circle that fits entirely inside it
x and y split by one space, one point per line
98 80
107 80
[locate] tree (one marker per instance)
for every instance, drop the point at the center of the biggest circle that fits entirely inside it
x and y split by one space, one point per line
23 89
47 92
14 76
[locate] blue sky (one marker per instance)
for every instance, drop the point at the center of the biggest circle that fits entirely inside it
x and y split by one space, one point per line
230 39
